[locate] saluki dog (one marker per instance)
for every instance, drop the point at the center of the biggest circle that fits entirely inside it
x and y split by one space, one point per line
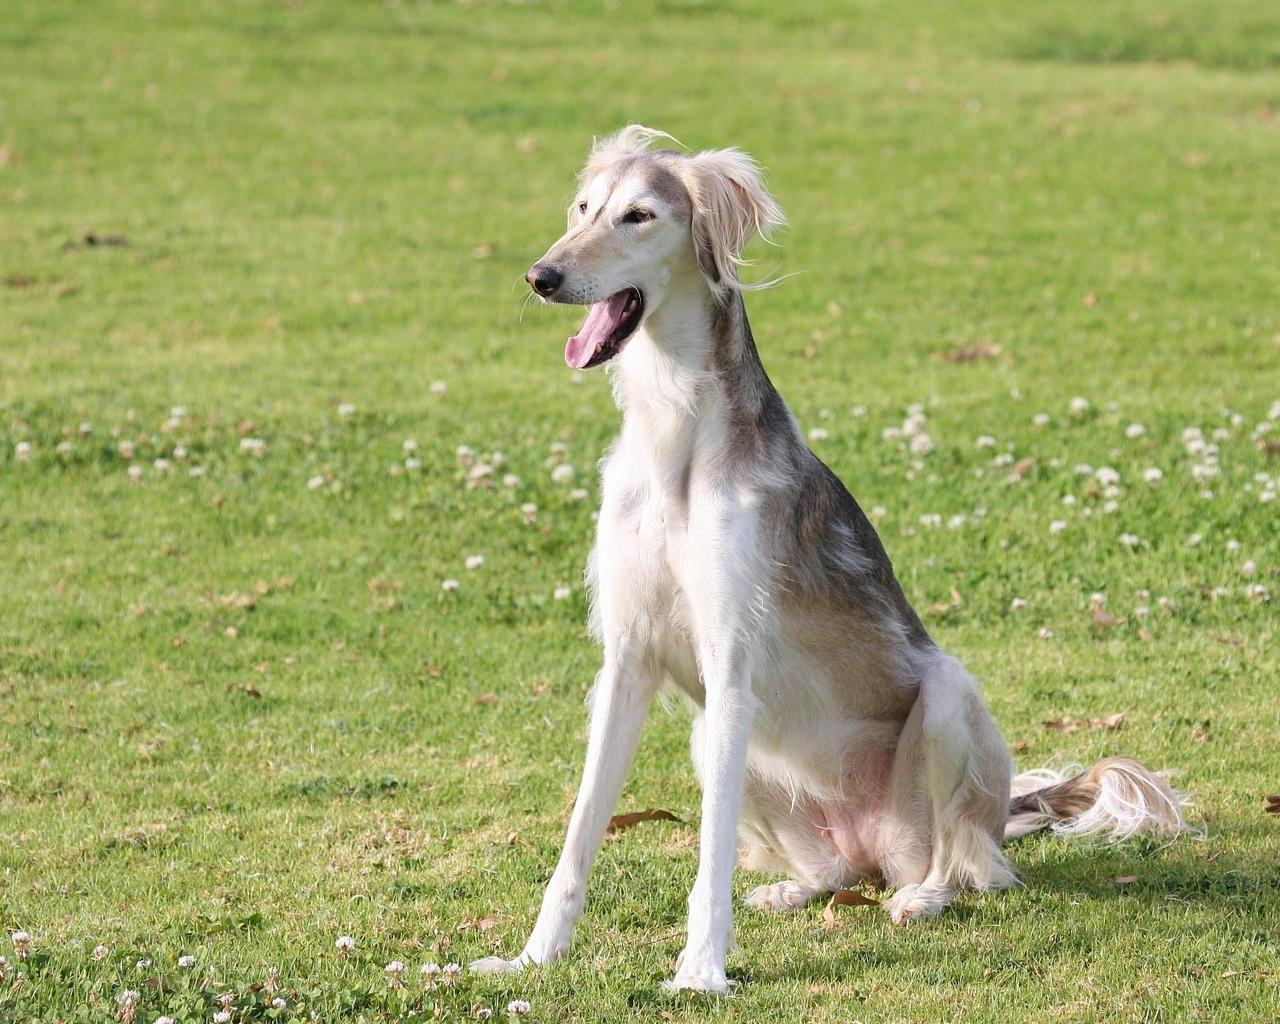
832 738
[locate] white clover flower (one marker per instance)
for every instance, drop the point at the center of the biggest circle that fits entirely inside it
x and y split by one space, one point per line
483 1013
179 452
1134 431
1107 476
4 968
859 411
134 473
1249 568
921 444
254 446
395 973
877 513
1045 633
931 519
891 434
1017 604
1078 406
1233 545
1141 611
1153 475
64 448
1110 506
100 952
560 593
529 512
1221 434
143 964
1267 495
222 1017
914 424
164 1020
186 961
1069 500
449 585
1040 419
985 441
85 429
315 483
278 1003
1057 526
465 455
510 480
1083 469
481 475
346 409
955 522
562 473
1258 592
578 494
21 944
128 998
125 450
409 445
474 561
1129 540
161 465
345 945
196 471
412 465
451 972
439 387
818 434
518 1007
1003 459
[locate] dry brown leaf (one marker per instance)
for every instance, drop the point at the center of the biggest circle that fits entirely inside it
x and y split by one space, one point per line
845 898
248 689
1103 619
1022 467
1233 641
1273 803
1021 746
245 602
624 821
1063 724
487 698
1107 723
971 353
945 606
1125 879
486 923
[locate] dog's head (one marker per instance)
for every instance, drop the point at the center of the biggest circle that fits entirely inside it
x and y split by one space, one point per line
641 219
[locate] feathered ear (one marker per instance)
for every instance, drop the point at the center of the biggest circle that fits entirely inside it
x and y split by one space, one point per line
730 207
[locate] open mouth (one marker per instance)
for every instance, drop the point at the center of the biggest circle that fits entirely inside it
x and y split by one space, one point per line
609 324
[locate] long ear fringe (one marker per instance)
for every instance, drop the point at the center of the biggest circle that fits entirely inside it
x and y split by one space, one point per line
731 205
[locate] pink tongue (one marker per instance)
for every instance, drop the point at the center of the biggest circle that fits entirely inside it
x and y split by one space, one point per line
601 322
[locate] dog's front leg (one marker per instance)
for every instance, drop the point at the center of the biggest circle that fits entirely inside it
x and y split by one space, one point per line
726 728
619 704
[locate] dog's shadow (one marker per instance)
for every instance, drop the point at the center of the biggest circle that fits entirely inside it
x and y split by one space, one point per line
1142 871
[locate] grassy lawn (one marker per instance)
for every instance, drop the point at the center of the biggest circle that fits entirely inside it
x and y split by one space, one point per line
260 278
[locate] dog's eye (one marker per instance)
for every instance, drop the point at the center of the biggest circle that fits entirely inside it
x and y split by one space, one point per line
636 216
582 206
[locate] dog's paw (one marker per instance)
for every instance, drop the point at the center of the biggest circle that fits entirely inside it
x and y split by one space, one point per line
694 977
780 896
917 902
496 965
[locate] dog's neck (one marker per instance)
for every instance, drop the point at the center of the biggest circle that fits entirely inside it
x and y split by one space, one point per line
694 347
691 381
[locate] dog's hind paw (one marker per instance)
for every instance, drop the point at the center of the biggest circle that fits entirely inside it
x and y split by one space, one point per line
916 902
781 896
496 965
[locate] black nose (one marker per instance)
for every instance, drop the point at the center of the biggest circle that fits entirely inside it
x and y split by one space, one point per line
543 279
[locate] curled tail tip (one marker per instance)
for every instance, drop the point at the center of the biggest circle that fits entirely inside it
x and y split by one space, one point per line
1117 799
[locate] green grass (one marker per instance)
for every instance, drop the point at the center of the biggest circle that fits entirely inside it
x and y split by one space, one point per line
330 203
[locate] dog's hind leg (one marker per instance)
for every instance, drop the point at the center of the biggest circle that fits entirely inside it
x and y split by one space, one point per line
619 705
944 821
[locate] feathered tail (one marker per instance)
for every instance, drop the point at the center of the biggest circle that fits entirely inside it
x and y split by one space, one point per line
1117 797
